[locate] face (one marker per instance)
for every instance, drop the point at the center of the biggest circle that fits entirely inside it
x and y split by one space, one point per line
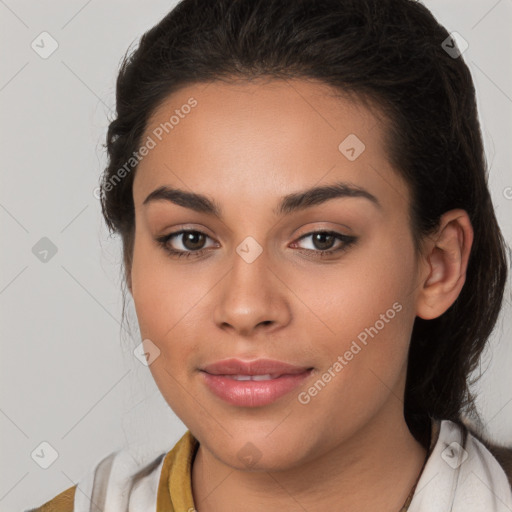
255 281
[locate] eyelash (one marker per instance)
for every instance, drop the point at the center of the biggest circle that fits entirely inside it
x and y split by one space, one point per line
174 253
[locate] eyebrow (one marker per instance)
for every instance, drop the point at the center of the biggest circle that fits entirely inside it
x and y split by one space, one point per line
290 203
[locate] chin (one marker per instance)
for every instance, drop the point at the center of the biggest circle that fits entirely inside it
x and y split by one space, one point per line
261 455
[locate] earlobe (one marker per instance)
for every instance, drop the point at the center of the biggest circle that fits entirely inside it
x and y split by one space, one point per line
446 264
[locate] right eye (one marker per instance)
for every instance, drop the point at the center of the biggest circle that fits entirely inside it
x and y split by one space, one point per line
191 240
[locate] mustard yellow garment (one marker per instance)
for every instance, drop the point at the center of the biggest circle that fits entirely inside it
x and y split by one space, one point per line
63 502
175 487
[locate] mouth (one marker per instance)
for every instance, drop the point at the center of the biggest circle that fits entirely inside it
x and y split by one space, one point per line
254 383
257 367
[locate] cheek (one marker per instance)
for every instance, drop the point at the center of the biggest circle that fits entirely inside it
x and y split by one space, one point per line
168 300
363 311
350 295
163 300
161 293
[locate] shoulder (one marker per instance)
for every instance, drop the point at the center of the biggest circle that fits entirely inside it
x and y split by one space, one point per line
502 454
126 480
461 473
109 484
63 502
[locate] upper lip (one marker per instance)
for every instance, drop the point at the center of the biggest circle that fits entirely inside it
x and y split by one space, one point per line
256 367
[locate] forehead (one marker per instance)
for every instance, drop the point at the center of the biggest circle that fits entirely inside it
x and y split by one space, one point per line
252 138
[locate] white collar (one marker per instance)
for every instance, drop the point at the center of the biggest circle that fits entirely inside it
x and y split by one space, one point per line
461 477
457 477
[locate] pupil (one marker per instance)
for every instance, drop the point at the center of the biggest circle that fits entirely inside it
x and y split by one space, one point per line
323 244
190 237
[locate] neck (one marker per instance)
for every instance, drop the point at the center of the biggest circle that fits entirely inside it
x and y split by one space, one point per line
374 469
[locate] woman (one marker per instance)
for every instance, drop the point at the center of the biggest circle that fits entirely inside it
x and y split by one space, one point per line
314 259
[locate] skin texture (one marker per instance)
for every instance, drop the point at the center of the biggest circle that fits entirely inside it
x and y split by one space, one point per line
246 145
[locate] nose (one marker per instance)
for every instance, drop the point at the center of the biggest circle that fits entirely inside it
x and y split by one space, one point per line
252 298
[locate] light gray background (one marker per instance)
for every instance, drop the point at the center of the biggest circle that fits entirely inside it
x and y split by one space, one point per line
68 376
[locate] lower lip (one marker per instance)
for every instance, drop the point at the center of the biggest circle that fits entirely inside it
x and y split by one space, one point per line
252 393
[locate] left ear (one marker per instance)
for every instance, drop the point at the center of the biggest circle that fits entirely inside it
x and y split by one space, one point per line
446 260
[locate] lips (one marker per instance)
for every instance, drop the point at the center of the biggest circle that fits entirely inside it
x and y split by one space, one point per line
253 383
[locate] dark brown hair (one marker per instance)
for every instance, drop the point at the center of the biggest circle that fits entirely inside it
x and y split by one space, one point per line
386 52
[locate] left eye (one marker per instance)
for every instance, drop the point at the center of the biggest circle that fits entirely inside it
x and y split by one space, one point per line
323 241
